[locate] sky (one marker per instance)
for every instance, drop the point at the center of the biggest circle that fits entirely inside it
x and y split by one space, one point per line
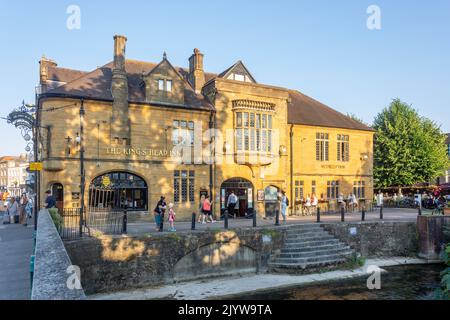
322 48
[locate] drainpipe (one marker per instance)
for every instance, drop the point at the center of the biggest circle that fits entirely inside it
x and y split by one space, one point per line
212 125
291 156
82 174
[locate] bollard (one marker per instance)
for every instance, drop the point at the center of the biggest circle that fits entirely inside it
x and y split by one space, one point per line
124 222
277 217
254 219
225 220
193 221
32 269
342 214
381 212
363 214
318 215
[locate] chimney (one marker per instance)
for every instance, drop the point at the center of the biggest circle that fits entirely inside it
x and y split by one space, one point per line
44 63
119 89
196 75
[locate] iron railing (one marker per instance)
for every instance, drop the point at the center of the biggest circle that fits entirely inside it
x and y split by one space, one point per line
74 225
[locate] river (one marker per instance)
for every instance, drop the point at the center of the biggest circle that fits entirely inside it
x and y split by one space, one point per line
413 282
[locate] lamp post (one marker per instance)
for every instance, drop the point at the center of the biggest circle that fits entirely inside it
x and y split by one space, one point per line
24 118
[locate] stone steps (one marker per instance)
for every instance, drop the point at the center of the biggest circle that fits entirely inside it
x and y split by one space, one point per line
316 253
308 247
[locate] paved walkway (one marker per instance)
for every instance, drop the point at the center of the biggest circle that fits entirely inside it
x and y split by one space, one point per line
389 214
16 246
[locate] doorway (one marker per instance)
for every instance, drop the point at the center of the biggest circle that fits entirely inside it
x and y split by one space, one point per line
243 189
271 201
58 194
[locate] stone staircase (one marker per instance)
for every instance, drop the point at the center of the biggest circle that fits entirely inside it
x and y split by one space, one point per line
309 248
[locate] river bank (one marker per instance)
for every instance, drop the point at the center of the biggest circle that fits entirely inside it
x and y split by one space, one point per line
220 288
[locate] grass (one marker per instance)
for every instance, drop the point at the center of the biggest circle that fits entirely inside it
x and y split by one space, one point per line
354 263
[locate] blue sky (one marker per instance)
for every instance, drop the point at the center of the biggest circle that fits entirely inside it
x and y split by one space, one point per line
322 48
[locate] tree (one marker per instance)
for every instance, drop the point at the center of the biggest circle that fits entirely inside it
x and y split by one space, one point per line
356 118
408 148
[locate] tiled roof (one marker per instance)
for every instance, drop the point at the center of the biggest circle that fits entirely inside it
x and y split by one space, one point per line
302 109
307 111
97 85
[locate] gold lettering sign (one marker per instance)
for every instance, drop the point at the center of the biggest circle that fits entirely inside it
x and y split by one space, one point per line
332 166
138 152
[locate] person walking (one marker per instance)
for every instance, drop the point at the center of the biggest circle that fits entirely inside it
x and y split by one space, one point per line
201 214
160 210
314 203
308 205
207 210
171 218
231 203
284 205
23 216
29 208
13 209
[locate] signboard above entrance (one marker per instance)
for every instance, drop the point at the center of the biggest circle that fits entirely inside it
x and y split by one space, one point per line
139 152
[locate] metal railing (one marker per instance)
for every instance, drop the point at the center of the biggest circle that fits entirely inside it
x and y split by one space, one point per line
74 225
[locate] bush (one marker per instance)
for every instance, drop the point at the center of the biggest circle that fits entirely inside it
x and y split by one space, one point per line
443 293
57 219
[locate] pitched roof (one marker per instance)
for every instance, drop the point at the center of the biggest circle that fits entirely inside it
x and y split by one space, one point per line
97 85
237 67
307 111
63 74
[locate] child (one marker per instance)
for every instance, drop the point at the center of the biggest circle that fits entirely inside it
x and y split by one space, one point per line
171 217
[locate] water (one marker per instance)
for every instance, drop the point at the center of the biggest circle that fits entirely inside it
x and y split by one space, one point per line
416 282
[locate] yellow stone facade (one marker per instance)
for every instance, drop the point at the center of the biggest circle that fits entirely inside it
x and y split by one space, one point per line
148 147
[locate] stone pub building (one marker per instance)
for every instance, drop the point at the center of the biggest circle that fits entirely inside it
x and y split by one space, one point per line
130 131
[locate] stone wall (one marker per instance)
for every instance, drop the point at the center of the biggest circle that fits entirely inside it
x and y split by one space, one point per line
381 239
112 263
431 236
51 263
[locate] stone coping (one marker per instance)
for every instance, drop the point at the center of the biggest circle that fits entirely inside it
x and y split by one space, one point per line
51 263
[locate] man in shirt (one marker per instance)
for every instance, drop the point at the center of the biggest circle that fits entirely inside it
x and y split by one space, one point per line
232 201
50 201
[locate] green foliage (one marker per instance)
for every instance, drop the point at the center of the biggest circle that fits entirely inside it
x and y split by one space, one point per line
408 148
444 292
356 118
57 219
354 262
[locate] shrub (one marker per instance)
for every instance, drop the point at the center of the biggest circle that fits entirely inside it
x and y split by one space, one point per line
57 219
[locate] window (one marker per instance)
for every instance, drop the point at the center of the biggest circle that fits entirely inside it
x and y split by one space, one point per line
239 77
299 190
343 153
332 189
165 85
322 146
359 189
161 85
253 132
182 132
313 187
169 85
184 186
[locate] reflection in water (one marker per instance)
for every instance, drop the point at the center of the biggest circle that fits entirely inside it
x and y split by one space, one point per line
417 282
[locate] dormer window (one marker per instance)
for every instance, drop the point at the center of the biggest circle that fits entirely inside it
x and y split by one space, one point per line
165 85
239 77
161 85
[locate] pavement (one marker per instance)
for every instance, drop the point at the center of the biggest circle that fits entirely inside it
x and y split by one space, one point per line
220 288
389 214
16 247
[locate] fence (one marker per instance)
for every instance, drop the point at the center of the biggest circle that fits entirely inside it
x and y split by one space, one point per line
106 221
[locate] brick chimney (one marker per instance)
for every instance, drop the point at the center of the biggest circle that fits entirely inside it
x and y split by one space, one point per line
196 75
44 63
120 123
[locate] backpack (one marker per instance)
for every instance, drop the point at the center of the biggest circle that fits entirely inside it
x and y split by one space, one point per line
287 202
